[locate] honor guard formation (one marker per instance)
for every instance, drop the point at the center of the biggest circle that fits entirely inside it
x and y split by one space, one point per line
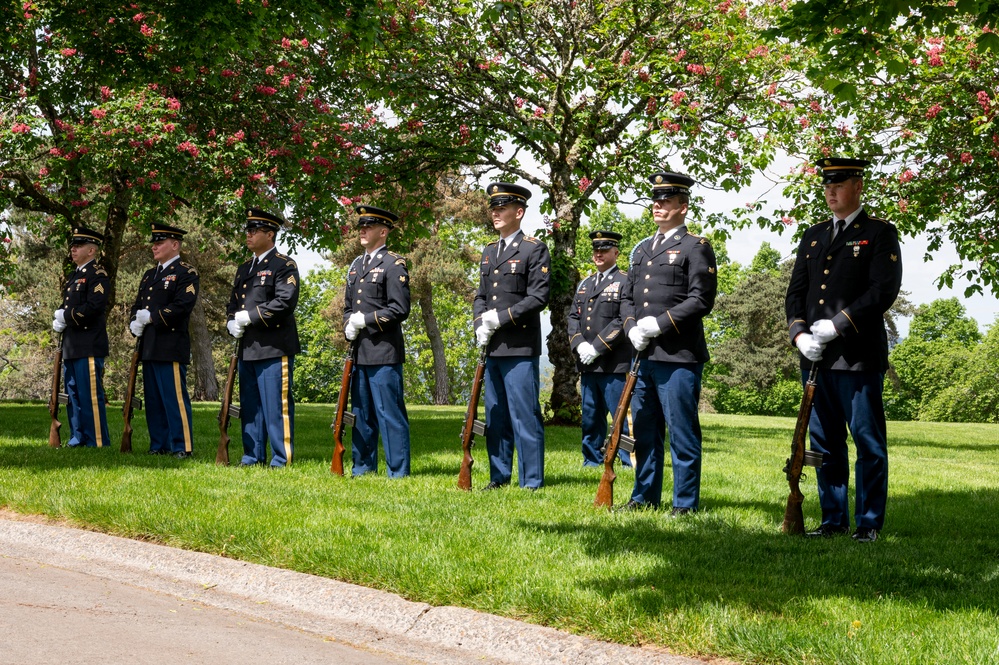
637 335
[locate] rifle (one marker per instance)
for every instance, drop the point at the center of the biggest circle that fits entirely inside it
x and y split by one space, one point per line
794 520
55 398
343 416
472 426
605 492
228 409
132 403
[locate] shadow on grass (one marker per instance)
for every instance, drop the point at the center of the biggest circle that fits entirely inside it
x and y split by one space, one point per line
951 563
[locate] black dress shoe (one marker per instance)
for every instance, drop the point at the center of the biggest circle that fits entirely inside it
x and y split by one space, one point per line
493 485
182 455
157 452
827 530
633 505
865 534
680 512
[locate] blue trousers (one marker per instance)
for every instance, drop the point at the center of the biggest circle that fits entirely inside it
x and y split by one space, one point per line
850 398
378 406
88 420
168 407
600 392
267 409
665 398
513 418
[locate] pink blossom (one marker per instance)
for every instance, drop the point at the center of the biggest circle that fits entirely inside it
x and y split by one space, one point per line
68 52
146 30
189 148
723 7
804 122
138 17
934 56
771 90
173 104
625 58
228 73
759 51
111 20
265 90
984 101
539 111
304 43
169 127
903 205
519 102
345 201
44 171
651 106
20 128
155 186
285 81
584 183
679 56
906 176
285 43
933 111
697 69
966 158
55 152
98 113
270 70
671 127
239 192
815 107
678 97
105 92
643 76
787 221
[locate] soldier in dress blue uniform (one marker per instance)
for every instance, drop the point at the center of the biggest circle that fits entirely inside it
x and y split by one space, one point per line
161 315
847 274
671 287
513 289
82 320
262 315
596 333
375 304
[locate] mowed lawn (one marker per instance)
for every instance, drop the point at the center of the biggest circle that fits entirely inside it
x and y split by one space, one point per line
725 582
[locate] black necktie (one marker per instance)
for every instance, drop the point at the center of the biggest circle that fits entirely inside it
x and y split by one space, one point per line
600 277
655 243
838 227
159 271
365 262
500 249
253 265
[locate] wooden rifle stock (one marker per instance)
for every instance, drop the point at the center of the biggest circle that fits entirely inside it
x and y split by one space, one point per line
605 492
54 440
129 407
341 418
227 410
471 425
794 520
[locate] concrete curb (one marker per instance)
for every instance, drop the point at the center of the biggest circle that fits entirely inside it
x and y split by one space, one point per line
363 617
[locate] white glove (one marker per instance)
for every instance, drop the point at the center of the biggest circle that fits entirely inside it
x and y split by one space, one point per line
490 319
60 316
638 340
482 335
587 354
242 318
824 331
809 347
648 326
142 317
57 326
235 329
350 331
136 328
357 320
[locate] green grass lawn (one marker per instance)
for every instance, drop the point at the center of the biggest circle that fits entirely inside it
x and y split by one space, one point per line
725 582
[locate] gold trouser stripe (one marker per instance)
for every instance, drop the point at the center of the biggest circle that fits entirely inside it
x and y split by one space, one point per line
285 415
93 402
181 408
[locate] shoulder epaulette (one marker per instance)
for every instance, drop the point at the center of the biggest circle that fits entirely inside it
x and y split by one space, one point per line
878 219
531 239
99 270
189 267
492 243
395 254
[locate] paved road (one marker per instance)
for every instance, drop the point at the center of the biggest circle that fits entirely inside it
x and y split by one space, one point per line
52 615
72 596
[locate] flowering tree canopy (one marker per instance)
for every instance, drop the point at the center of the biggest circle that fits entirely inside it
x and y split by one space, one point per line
929 124
584 99
119 113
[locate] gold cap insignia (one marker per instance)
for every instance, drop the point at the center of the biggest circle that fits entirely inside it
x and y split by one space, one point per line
495 189
361 211
600 235
659 179
828 163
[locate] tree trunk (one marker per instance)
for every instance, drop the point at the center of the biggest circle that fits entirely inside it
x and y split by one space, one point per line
565 403
206 385
442 385
114 230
